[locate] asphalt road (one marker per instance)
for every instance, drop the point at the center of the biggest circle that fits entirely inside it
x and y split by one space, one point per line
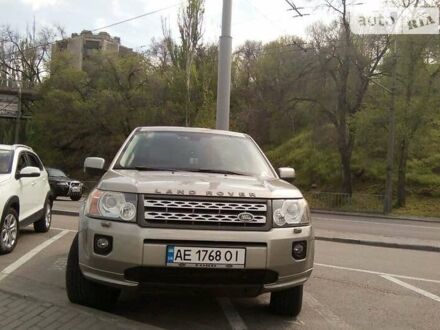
402 229
352 286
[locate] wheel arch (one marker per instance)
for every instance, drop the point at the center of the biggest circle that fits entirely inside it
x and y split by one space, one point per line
13 202
50 197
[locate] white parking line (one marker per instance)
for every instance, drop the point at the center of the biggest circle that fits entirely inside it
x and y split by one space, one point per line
376 222
232 315
333 321
378 273
28 256
70 230
412 288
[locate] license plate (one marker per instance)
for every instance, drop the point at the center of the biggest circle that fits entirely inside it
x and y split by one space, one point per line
205 257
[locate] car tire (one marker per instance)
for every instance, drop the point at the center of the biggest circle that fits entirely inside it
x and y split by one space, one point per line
83 291
287 302
43 225
8 231
75 198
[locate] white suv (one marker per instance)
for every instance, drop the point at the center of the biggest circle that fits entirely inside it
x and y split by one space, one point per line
24 194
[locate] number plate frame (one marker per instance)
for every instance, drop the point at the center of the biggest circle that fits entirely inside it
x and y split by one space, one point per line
170 259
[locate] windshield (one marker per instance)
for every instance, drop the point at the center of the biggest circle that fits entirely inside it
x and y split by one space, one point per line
199 152
55 172
5 161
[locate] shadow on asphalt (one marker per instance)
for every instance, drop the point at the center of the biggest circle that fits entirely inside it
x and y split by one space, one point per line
193 311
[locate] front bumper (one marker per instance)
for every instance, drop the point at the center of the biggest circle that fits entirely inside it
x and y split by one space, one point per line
65 190
145 248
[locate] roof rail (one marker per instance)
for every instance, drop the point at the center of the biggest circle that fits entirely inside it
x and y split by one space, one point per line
15 146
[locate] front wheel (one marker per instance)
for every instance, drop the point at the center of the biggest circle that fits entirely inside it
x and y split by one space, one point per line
8 231
287 302
43 225
83 291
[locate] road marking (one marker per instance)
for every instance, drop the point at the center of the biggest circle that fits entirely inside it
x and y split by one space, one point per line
70 230
412 288
331 318
232 315
28 256
379 273
375 222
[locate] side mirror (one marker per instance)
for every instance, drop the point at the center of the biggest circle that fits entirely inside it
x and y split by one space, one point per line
286 173
29 172
94 166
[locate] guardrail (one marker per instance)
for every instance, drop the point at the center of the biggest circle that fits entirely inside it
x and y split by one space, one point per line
365 203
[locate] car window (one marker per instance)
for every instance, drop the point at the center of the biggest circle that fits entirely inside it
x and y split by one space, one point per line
22 162
195 152
6 157
34 161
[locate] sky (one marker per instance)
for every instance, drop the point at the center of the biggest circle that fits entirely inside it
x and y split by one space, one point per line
263 20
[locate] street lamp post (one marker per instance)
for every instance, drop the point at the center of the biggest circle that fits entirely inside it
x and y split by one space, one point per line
224 68
18 120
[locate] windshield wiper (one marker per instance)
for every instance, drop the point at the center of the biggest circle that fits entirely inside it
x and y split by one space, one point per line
196 170
207 170
146 168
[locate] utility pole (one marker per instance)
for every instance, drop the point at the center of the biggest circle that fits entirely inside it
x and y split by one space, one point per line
388 201
224 68
18 121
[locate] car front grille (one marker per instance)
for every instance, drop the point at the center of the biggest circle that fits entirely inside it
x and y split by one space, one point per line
194 211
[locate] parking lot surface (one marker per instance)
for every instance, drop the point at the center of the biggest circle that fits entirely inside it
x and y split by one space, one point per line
352 287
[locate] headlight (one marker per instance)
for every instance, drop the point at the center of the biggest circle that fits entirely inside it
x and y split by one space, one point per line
111 205
290 212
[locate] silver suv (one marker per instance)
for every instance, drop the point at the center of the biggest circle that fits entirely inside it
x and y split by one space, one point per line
193 208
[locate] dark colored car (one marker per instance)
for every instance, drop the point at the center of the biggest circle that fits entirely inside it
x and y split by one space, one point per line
62 185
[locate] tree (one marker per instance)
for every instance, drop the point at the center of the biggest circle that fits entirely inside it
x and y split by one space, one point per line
190 22
347 63
418 77
24 58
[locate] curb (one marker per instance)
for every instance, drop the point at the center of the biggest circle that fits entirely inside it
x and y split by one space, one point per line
379 244
377 216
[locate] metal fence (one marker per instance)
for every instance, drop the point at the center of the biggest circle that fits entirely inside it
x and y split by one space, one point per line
366 203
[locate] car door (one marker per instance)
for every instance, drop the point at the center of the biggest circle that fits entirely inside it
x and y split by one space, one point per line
24 188
38 185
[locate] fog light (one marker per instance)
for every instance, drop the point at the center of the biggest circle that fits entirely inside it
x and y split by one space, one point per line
299 250
103 244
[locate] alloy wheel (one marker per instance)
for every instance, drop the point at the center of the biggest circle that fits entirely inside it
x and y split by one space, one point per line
9 231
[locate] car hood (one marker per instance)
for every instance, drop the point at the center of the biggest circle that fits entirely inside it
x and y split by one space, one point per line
59 179
196 184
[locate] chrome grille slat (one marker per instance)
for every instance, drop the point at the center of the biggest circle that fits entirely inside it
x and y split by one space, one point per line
203 212
201 217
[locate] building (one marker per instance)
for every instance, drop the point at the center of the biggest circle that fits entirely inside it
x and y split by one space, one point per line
79 46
